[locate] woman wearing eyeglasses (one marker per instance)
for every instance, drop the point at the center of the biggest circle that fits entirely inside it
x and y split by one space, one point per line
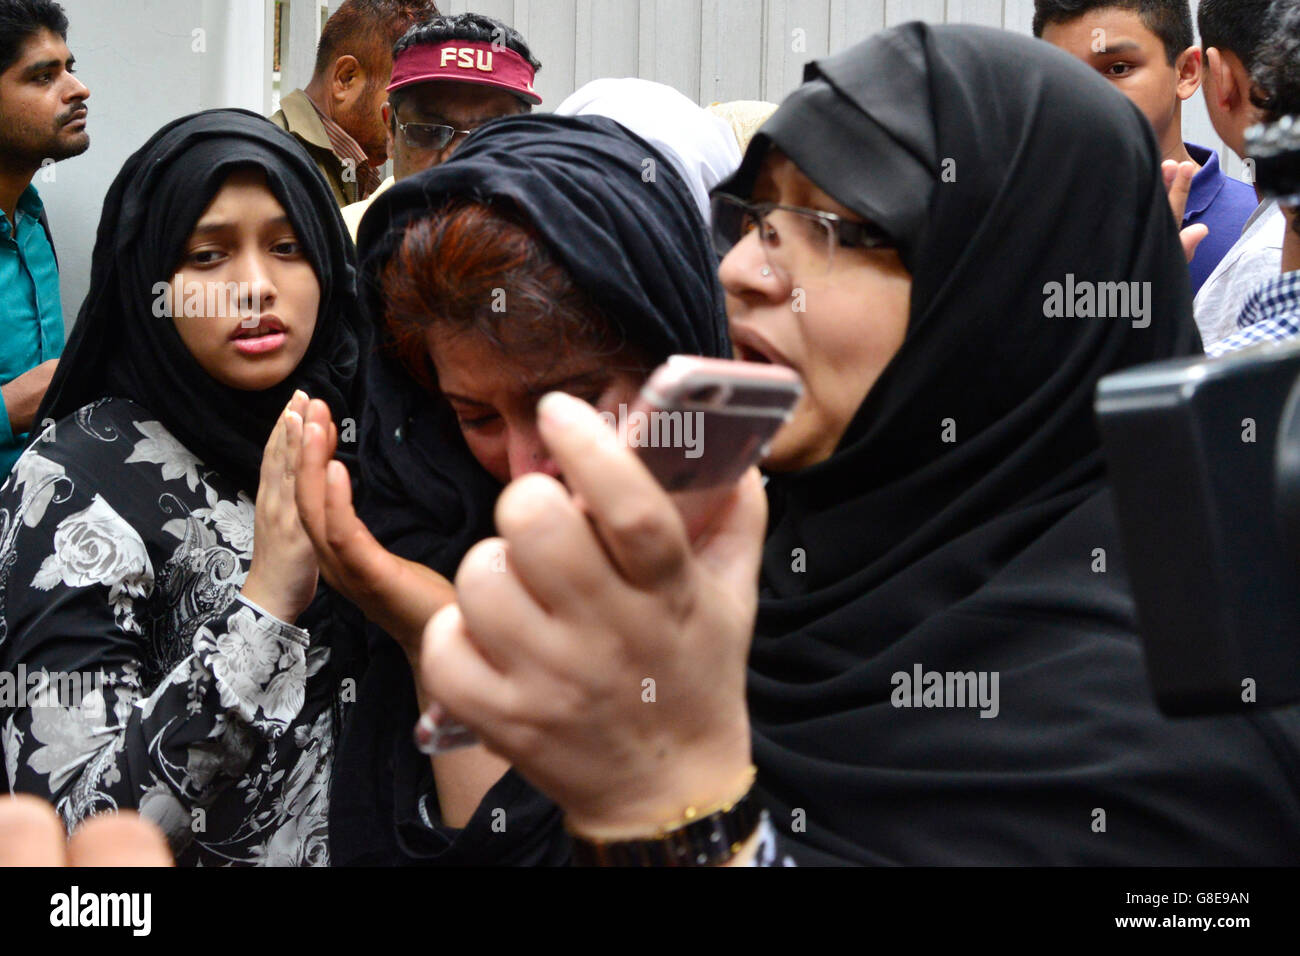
917 644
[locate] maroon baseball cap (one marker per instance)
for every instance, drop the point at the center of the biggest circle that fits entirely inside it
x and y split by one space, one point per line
488 64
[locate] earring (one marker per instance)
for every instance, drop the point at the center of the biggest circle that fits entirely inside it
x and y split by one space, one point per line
765 271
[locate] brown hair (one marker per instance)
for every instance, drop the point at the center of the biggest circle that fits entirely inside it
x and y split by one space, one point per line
481 268
368 30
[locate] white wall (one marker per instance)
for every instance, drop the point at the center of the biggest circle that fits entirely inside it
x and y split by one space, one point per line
144 65
142 62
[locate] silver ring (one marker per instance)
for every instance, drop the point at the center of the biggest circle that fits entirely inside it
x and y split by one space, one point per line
765 271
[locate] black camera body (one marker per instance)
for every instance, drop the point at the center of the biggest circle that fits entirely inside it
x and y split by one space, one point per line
1207 502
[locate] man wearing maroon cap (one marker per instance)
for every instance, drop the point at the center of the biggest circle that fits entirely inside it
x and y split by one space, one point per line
451 75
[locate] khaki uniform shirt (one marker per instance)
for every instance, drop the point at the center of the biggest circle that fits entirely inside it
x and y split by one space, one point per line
352 214
298 116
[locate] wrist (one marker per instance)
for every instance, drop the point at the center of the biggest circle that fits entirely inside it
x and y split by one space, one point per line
15 407
721 835
264 598
668 796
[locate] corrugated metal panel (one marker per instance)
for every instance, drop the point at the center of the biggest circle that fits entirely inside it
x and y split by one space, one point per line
715 50
551 27
904 11
854 20
797 31
731 50
669 47
987 13
607 39
1018 15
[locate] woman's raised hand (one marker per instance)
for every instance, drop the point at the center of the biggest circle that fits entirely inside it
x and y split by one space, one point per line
283 574
593 648
398 595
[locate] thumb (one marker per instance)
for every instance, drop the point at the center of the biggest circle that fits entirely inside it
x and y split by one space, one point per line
1191 238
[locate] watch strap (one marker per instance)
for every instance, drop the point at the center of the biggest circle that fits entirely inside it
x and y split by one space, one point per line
710 840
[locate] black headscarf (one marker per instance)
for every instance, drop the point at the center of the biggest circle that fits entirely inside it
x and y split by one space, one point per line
635 245
1000 165
119 348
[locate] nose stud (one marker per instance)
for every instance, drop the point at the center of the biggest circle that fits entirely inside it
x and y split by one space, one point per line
765 271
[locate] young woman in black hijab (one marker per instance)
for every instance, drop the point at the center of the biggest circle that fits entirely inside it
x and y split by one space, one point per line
552 252
151 549
939 515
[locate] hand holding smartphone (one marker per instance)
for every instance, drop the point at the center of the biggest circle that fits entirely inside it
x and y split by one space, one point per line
698 425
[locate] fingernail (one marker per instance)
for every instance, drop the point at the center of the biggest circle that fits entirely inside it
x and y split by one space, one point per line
436 734
299 394
425 730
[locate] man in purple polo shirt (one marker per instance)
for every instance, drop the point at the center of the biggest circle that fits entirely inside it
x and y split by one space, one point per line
1146 49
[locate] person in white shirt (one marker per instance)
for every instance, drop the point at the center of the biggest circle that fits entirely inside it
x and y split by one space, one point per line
1232 33
1251 262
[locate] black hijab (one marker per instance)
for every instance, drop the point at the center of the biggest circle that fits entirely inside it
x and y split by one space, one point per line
119 348
636 246
1000 165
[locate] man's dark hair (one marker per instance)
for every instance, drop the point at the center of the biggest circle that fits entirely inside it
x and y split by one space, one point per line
20 20
1238 26
1276 70
1170 20
367 30
467 28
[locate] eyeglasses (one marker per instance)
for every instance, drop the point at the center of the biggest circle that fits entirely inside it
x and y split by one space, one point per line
795 240
429 136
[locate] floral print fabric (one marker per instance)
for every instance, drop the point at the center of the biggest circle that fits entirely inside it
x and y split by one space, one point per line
147 680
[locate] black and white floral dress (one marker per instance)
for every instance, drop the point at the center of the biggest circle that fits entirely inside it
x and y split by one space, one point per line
147 680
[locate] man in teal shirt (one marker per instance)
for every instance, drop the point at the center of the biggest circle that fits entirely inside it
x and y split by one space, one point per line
42 120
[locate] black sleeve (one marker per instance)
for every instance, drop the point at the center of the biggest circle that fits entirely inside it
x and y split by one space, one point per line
514 825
